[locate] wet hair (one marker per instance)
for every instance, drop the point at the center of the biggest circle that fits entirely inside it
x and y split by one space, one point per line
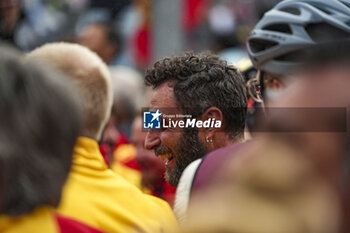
39 124
202 81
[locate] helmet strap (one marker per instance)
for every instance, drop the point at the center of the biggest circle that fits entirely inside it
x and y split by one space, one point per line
262 84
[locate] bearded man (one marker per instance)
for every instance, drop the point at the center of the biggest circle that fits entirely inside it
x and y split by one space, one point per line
198 87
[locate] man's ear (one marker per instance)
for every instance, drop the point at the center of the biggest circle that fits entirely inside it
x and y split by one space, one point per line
215 114
207 135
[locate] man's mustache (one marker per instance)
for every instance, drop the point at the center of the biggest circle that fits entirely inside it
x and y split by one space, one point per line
162 150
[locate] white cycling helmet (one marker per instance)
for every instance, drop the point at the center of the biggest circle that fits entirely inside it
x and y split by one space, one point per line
293 25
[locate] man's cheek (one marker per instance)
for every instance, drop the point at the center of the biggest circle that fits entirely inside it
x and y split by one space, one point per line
170 139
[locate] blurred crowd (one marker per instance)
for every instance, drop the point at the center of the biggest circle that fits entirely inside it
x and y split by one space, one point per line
120 32
77 76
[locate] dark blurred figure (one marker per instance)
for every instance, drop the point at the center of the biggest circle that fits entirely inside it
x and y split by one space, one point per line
323 83
296 177
10 14
298 173
273 188
152 167
36 146
128 95
114 7
103 39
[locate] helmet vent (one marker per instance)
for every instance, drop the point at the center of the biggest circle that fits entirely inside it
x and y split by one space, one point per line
258 45
291 10
284 28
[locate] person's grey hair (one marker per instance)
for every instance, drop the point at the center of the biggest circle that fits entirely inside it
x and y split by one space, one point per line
40 121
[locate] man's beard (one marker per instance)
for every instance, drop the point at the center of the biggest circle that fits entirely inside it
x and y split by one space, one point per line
188 149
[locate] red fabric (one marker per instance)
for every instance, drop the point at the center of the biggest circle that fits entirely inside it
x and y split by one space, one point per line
169 194
250 103
132 164
106 149
165 191
122 139
104 152
143 46
194 13
67 225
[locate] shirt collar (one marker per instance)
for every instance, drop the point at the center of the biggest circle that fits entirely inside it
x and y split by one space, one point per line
87 154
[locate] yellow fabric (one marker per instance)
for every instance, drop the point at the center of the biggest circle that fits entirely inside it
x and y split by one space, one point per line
122 155
40 220
243 64
101 198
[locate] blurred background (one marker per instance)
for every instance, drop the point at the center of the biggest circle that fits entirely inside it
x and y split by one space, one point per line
134 33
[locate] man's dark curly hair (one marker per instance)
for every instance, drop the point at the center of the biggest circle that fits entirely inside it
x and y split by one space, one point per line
202 81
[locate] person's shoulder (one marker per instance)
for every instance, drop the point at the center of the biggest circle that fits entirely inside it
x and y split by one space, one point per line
157 201
213 162
164 213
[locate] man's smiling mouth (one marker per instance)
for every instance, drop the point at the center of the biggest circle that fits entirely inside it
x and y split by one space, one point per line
167 157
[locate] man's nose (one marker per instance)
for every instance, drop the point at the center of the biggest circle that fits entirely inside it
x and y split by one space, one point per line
152 140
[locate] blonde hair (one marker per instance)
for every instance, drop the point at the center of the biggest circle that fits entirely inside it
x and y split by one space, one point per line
91 78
